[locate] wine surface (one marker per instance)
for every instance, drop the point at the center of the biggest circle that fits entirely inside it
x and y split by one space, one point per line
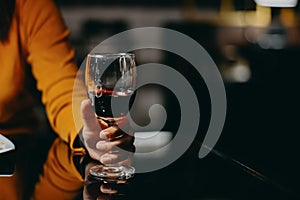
110 103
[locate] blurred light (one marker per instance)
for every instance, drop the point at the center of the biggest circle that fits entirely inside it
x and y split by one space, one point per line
239 72
234 68
272 41
277 3
275 36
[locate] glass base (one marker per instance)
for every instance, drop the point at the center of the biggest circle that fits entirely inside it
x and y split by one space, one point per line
112 172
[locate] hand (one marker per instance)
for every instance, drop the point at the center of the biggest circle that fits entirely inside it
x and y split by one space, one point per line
107 144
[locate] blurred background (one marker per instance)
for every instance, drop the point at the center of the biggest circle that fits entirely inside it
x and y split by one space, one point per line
256 49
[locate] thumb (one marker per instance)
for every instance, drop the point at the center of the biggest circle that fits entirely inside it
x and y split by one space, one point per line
88 116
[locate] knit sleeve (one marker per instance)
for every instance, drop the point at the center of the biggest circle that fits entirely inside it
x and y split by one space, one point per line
52 61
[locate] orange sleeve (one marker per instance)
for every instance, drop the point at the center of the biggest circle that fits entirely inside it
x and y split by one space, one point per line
52 61
60 179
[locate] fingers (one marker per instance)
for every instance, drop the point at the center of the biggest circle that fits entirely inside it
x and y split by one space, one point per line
88 116
109 145
122 142
95 154
113 132
121 157
116 150
110 132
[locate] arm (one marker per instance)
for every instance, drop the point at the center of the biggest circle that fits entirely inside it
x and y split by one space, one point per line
51 58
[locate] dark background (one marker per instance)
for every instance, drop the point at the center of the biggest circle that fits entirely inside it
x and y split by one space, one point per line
260 68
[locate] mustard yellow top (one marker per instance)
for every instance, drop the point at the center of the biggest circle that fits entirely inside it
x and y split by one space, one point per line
38 37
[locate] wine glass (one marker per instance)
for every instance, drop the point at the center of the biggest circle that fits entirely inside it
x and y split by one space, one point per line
110 80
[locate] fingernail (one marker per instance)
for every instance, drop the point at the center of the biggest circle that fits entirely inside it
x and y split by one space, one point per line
103 134
106 159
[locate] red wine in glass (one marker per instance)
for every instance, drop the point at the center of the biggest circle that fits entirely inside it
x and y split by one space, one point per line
110 81
110 105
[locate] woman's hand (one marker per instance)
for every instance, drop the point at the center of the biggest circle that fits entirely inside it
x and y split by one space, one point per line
107 144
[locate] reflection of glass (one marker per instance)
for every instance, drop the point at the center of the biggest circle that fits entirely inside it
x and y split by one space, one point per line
110 80
95 189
